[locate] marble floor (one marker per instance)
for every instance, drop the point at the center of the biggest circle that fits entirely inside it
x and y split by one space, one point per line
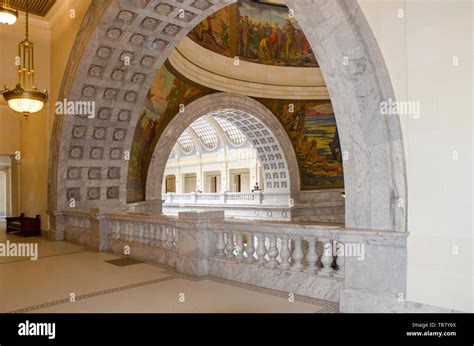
67 277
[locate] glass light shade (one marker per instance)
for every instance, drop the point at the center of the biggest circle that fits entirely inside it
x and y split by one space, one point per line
8 16
25 101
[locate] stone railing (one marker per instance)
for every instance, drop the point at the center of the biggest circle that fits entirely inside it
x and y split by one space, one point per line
259 197
151 234
149 238
253 205
278 249
304 259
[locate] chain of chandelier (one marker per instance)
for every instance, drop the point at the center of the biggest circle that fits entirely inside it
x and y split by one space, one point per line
25 98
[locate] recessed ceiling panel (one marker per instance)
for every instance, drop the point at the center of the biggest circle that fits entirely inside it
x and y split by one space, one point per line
37 7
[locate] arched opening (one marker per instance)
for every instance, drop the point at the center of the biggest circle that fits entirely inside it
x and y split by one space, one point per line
126 43
236 160
246 117
374 169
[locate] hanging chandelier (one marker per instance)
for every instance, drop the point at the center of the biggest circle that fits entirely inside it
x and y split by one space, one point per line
7 14
26 98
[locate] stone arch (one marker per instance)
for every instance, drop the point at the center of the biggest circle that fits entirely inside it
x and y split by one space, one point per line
239 110
87 161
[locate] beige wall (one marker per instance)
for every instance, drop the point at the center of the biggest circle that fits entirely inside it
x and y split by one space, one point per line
28 136
53 42
419 50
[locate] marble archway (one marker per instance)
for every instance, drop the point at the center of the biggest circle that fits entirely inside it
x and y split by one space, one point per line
123 43
277 150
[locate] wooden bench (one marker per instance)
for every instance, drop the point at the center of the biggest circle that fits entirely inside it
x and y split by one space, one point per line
25 226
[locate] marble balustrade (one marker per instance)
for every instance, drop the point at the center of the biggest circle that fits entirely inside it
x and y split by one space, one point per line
308 254
146 233
291 257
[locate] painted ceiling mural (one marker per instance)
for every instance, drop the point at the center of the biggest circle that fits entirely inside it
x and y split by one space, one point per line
162 104
256 33
311 125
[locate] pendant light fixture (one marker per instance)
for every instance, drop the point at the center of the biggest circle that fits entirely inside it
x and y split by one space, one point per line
7 14
26 98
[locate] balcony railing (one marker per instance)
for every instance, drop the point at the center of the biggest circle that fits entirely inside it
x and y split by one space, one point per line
303 259
260 197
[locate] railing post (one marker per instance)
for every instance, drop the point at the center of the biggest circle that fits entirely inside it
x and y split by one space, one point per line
272 251
98 231
220 244
57 225
312 256
229 246
164 236
197 242
285 253
327 259
250 249
297 255
261 249
239 247
169 238
340 260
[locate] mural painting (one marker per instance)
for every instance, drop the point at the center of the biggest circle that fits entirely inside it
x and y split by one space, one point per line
311 126
166 95
256 33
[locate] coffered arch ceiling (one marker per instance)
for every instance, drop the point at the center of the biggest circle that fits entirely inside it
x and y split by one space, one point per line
222 132
123 43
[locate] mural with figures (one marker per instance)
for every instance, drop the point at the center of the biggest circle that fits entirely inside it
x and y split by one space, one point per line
162 104
256 33
311 126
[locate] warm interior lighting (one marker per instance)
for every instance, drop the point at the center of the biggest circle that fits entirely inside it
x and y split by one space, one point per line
25 101
7 15
26 98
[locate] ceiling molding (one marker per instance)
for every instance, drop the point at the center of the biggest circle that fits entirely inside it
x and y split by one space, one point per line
210 69
53 16
35 7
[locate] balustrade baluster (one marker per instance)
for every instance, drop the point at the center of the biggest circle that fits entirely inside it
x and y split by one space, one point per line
169 239
121 230
261 249
128 231
272 252
156 235
175 236
220 246
115 230
312 256
164 235
229 246
250 248
148 234
239 247
340 260
327 259
132 233
297 255
141 236
285 253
